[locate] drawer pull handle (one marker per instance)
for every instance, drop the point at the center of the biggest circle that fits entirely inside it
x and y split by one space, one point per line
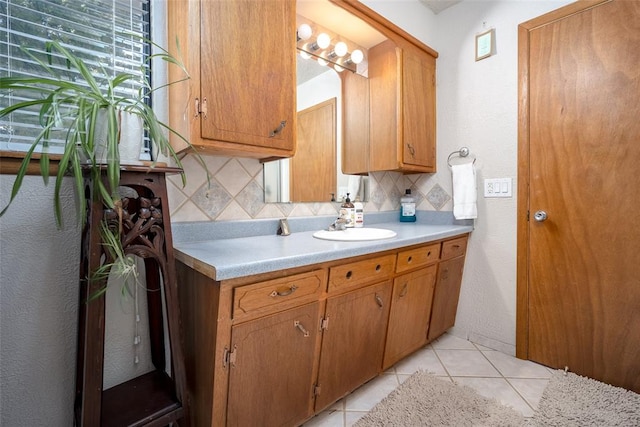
291 290
409 260
379 301
455 246
378 267
349 274
298 325
429 253
404 290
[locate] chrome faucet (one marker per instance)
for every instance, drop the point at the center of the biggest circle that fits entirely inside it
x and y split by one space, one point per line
341 222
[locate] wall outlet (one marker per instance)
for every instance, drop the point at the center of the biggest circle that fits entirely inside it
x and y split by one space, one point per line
498 187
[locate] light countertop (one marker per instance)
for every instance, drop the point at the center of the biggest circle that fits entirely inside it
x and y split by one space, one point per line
232 257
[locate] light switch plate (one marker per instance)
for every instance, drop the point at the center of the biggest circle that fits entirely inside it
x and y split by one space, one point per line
498 187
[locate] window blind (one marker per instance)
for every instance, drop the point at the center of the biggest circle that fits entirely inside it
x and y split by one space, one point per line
91 29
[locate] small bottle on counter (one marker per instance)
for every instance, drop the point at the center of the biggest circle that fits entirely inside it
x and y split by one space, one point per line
359 214
407 207
351 211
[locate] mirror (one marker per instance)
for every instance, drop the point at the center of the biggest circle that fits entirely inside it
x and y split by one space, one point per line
316 85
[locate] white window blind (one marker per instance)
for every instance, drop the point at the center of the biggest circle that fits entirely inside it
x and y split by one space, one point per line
92 29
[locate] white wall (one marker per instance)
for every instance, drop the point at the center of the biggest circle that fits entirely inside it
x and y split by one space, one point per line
38 308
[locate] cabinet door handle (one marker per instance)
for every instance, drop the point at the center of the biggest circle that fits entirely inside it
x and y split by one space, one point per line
278 129
379 301
298 325
289 291
412 150
404 290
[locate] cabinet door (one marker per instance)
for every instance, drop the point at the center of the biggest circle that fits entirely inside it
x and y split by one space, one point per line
247 72
445 297
410 312
402 106
418 110
353 341
271 373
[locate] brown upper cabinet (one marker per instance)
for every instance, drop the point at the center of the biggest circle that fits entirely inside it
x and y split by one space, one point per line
403 119
395 107
240 99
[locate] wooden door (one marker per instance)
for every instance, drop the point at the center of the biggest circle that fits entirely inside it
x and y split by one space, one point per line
410 313
247 72
353 341
579 148
315 159
272 369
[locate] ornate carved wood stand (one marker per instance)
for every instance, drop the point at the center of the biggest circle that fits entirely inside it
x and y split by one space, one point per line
155 398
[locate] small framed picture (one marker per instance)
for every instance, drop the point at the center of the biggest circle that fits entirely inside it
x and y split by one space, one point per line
484 44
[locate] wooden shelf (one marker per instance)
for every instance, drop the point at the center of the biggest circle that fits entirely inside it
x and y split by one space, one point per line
141 401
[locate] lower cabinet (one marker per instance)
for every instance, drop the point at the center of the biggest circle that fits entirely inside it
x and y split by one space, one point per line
447 289
275 349
410 314
271 368
352 342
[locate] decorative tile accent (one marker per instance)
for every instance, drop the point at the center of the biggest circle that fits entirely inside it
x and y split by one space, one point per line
438 197
212 200
251 198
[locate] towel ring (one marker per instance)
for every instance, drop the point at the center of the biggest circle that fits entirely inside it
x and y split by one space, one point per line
462 152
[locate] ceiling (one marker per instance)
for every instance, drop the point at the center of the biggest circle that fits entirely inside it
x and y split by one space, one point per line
438 6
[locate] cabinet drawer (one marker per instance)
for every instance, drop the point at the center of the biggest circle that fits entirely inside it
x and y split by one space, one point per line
418 257
275 295
351 275
454 248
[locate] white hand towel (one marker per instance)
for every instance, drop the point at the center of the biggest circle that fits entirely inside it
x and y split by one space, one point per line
353 186
465 193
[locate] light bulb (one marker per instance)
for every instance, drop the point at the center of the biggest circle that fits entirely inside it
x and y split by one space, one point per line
340 49
323 40
338 68
304 54
357 56
304 32
322 62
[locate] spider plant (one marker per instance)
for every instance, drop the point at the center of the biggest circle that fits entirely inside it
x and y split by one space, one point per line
77 108
117 262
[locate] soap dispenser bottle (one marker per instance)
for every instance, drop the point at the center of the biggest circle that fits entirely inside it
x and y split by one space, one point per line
350 210
407 207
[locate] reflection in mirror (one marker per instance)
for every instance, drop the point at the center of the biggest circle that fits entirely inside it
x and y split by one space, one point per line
317 85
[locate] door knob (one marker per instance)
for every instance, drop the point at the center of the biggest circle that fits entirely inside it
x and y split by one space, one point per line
540 216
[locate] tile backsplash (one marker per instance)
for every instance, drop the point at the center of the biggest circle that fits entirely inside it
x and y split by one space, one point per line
234 191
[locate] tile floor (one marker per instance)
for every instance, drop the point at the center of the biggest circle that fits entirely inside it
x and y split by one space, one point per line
514 382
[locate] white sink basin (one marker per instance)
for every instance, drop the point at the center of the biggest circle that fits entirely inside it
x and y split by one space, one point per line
355 234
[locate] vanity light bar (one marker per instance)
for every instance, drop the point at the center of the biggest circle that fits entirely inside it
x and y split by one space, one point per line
326 47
